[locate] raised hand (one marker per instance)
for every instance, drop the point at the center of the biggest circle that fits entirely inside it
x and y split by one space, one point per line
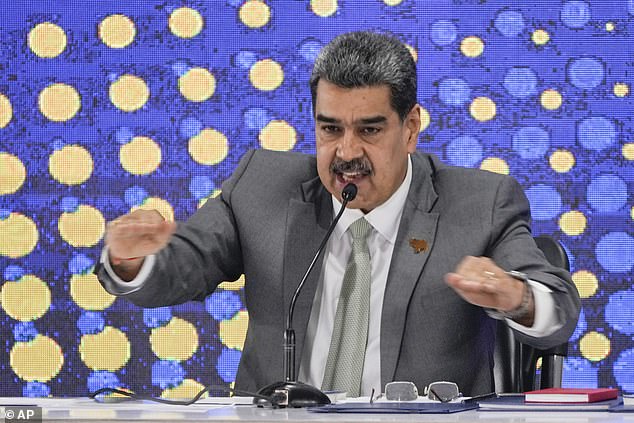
133 236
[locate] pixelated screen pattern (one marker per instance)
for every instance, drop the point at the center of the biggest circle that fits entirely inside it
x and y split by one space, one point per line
108 106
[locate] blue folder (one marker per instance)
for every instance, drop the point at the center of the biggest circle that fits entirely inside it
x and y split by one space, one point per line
621 408
395 408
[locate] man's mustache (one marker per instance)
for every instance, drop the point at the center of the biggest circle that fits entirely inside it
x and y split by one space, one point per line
360 165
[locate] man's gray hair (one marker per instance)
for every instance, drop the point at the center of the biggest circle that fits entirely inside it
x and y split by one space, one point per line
368 59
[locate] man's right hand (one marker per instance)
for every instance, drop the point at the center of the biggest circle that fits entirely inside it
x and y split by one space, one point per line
133 236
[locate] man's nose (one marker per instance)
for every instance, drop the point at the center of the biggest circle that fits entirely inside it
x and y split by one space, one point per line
349 147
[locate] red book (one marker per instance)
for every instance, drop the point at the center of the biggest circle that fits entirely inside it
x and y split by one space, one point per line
571 395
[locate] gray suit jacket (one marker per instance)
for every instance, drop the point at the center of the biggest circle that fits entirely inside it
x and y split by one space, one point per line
269 221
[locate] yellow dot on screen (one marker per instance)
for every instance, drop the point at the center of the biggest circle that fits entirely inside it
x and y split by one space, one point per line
561 161
208 147
38 360
323 8
278 135
88 293
129 93
177 340
425 119
573 223
117 31
495 165
233 286
472 46
189 388
609 26
6 111
540 37
234 331
59 102
158 204
482 109
412 51
254 13
12 173
632 213
107 350
140 156
82 228
204 200
47 40
216 192
550 99
586 283
197 84
26 299
594 346
628 151
621 89
185 22
70 165
266 75
18 236
392 2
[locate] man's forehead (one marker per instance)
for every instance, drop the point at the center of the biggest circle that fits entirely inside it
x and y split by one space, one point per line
324 84
370 103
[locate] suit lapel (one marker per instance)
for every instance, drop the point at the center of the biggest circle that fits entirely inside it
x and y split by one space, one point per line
307 222
417 227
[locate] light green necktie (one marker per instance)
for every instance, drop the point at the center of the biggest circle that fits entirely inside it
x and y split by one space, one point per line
346 356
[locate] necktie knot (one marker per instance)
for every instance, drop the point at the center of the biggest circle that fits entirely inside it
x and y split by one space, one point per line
360 229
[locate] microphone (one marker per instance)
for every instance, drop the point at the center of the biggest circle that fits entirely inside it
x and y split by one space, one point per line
290 392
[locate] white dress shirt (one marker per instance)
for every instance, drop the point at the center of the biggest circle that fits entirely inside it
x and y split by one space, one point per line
385 220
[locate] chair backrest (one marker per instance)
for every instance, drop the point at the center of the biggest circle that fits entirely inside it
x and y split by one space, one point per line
515 363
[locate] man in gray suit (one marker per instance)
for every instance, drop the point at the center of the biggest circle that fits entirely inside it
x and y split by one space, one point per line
449 250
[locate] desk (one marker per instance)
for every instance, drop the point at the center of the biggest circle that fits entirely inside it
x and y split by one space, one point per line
82 410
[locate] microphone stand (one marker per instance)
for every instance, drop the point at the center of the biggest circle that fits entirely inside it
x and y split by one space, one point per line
290 392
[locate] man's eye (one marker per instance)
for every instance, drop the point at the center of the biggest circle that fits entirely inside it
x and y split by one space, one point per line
370 130
331 129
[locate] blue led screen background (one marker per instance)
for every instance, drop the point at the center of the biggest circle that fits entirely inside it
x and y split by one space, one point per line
107 106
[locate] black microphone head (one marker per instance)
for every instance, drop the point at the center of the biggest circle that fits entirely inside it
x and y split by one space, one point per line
349 192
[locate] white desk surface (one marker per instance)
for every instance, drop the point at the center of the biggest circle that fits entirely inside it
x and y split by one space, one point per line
79 410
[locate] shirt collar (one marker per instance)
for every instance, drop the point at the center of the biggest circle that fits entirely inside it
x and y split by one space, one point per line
384 218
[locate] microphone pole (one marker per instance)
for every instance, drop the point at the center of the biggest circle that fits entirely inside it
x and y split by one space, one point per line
290 392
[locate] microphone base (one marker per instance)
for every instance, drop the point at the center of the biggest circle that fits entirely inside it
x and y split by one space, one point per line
291 394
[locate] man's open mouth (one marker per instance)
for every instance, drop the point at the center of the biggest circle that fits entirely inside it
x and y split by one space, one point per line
353 171
351 177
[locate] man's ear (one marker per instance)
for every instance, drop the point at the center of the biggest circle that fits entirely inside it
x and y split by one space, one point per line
412 123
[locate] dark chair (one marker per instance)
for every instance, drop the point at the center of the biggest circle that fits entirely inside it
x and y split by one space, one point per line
515 363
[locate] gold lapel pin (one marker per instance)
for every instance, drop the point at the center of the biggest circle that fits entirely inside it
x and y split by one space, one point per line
418 245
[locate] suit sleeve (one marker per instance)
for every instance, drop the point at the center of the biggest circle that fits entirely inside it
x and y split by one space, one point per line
203 252
512 247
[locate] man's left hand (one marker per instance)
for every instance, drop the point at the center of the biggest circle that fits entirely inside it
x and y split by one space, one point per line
479 281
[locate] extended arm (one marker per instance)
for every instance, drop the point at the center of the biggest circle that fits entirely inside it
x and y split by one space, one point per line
483 281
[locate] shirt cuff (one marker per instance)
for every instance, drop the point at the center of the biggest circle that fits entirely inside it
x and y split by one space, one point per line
118 286
545 321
